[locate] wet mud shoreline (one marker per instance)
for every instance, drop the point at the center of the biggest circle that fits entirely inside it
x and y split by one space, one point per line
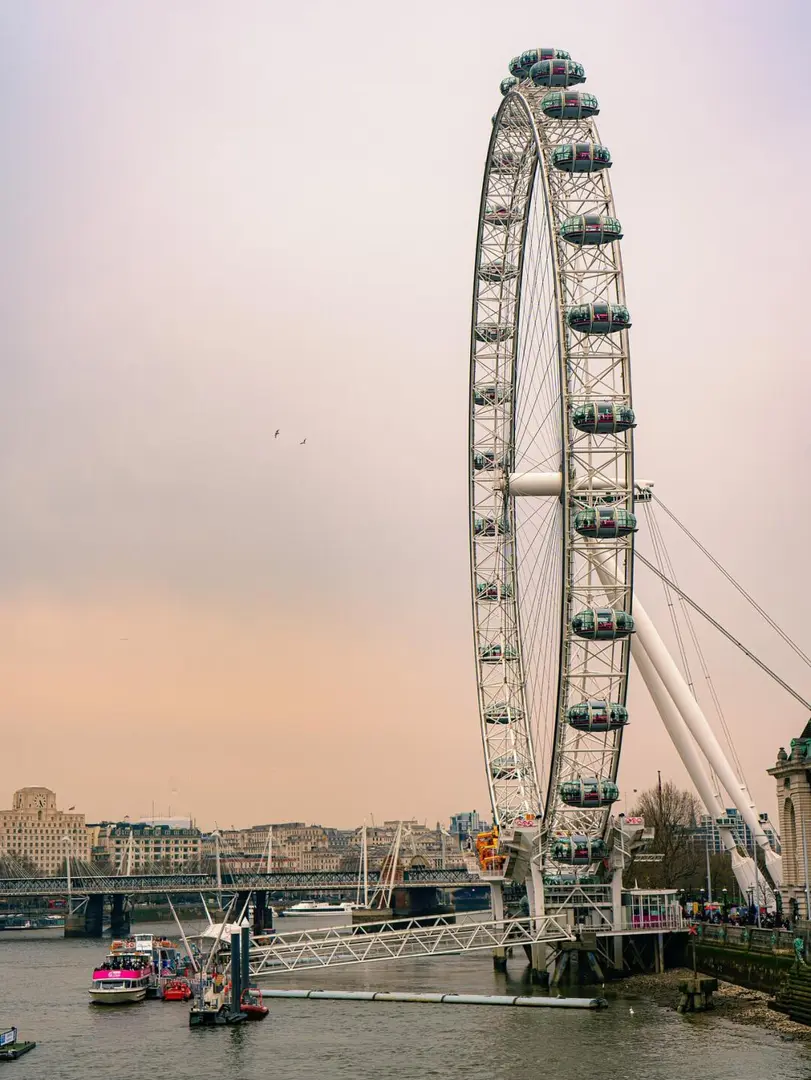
735 1003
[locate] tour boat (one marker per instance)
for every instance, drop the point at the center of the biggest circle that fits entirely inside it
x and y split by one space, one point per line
251 1004
313 907
165 959
123 978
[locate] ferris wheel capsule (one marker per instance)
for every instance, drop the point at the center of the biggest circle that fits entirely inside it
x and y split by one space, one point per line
501 712
579 850
507 84
598 318
598 716
505 162
494 394
486 459
500 270
590 229
581 157
557 73
520 65
492 333
490 526
603 418
495 214
589 791
496 653
493 590
602 624
505 767
569 105
598 523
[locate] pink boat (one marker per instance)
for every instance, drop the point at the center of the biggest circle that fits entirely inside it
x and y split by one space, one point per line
123 978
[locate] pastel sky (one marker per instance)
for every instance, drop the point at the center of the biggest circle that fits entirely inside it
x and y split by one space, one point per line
221 219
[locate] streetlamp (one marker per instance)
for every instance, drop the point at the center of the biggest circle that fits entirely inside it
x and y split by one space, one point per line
66 842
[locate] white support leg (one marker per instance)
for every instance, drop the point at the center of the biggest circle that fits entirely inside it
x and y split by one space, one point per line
497 908
742 866
677 688
540 953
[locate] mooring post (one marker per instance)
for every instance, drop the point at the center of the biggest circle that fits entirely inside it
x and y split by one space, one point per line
246 958
236 972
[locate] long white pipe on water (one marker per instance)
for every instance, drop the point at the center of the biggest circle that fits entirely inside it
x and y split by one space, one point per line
440 999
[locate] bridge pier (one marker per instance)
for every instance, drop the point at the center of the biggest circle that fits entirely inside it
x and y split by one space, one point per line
119 917
87 923
262 913
416 903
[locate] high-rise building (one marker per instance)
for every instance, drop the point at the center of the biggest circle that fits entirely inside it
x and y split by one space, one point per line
466 825
35 831
707 835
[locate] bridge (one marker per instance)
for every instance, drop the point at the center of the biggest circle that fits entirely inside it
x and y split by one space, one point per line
276 881
339 946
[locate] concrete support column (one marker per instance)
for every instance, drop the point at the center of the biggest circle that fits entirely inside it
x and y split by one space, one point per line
497 908
540 953
262 914
616 915
94 915
119 917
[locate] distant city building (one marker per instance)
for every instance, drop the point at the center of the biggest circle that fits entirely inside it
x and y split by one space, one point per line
466 825
293 845
707 834
133 847
34 831
792 773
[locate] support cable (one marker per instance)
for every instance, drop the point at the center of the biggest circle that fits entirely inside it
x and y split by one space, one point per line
747 596
730 637
705 671
663 562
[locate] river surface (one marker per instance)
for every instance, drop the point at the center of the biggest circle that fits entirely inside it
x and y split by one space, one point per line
43 990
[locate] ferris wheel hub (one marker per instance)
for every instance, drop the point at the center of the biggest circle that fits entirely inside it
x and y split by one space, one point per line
551 483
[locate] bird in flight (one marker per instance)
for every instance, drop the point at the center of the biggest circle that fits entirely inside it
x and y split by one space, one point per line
276 434
303 441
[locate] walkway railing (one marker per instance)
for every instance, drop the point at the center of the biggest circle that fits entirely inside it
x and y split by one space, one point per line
428 936
278 881
750 938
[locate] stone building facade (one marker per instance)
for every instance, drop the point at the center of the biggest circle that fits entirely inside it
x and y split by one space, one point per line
792 773
36 833
142 847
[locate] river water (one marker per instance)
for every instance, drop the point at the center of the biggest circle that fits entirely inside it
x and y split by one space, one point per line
43 990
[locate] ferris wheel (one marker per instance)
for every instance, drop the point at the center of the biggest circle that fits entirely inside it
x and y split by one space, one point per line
551 469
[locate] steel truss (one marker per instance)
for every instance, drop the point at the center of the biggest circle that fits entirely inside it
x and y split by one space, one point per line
340 946
530 570
277 881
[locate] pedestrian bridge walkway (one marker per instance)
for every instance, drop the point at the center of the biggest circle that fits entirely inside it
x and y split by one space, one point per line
406 939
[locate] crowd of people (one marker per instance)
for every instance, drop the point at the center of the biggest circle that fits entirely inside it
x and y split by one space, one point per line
735 915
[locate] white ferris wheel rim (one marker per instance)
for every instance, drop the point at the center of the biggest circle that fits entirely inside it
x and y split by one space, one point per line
526 778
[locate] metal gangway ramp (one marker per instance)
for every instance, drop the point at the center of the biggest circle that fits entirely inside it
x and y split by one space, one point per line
338 946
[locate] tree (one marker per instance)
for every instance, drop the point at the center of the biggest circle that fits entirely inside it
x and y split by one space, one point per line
15 864
672 814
